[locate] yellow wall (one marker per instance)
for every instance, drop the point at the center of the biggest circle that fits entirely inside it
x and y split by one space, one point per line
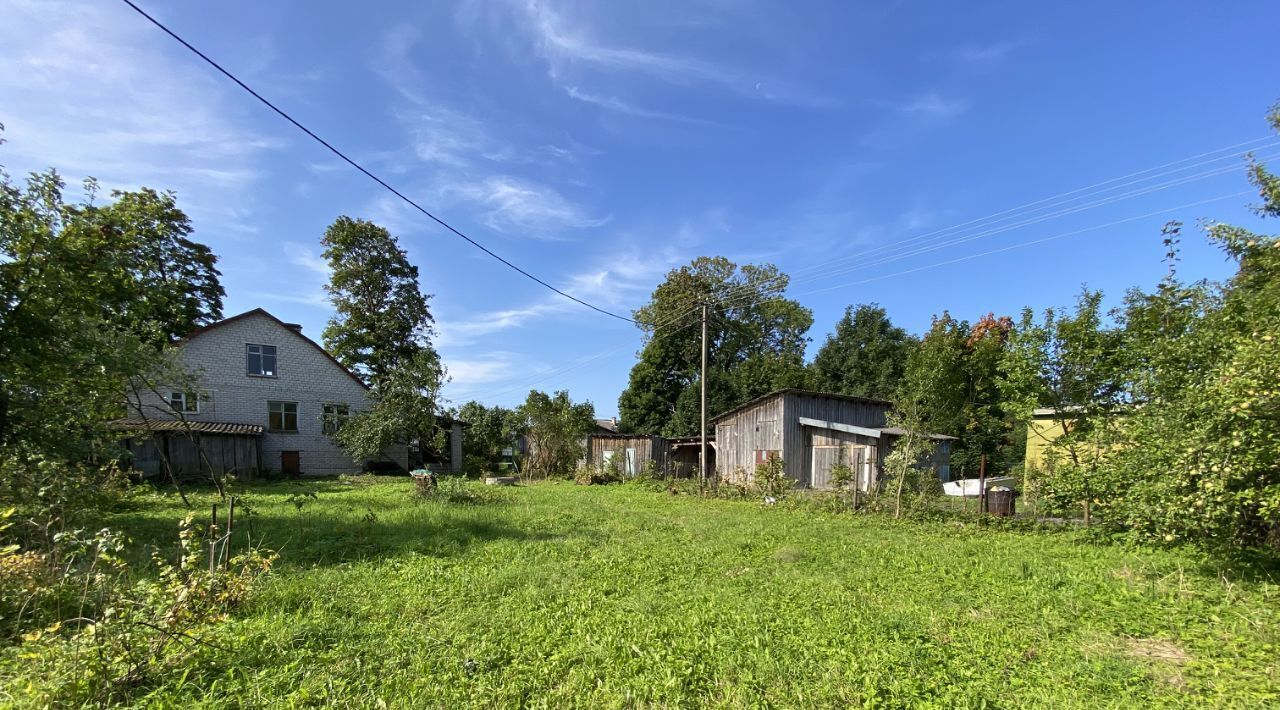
1041 431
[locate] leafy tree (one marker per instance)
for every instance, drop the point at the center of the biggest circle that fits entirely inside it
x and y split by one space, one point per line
865 356
756 342
1074 365
556 429
492 430
927 399
381 319
381 330
1198 457
90 294
935 375
402 410
987 430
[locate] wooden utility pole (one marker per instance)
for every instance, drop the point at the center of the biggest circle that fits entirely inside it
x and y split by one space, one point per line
703 385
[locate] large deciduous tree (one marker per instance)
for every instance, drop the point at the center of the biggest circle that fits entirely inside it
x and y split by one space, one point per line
381 329
1072 363
381 320
756 340
864 356
90 296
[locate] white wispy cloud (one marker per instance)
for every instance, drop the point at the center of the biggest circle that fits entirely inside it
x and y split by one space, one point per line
514 205
306 257
620 280
566 45
979 55
486 368
91 91
934 106
617 105
562 44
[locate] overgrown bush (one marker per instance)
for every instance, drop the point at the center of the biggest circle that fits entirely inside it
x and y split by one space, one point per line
771 480
94 632
457 490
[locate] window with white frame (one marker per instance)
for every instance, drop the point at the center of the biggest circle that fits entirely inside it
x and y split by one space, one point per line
260 360
185 402
333 416
282 417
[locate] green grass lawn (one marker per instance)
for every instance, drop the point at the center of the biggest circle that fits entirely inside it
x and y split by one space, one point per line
557 595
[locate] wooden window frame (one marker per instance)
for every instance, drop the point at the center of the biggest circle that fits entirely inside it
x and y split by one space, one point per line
332 416
284 414
262 356
190 402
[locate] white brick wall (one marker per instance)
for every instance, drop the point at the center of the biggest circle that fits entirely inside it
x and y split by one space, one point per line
303 375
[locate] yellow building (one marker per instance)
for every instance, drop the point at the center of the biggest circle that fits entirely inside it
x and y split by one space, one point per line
1043 429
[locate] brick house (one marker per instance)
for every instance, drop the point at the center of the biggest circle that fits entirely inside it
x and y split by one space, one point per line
269 399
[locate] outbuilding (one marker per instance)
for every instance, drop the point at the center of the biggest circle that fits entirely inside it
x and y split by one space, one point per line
631 452
812 432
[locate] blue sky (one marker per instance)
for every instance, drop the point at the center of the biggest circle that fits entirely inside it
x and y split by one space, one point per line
600 144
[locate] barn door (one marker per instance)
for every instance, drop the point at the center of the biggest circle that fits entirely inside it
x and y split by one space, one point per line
823 458
290 463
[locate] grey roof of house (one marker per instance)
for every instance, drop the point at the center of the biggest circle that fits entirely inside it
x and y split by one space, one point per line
196 427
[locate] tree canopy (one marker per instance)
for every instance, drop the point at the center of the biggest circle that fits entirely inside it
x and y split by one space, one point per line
381 321
90 295
381 329
864 356
756 341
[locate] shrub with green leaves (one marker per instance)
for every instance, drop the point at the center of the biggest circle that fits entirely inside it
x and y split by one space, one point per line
771 480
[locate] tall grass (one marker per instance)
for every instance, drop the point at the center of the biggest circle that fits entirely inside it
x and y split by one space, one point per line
558 595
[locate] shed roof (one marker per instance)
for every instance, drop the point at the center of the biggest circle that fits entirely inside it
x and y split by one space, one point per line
198 427
797 391
899 431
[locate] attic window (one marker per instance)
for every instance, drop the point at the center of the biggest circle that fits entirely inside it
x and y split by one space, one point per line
260 360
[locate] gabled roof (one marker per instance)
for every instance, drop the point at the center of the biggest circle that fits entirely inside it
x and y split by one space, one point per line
805 393
288 327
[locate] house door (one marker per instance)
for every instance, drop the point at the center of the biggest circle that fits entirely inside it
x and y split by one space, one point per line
290 463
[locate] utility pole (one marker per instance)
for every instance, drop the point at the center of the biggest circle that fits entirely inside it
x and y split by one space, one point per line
703 383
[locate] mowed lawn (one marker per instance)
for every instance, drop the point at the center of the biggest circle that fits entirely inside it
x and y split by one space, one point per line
556 595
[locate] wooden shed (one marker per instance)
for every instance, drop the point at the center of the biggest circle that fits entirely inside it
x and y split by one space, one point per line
193 448
683 453
631 451
811 432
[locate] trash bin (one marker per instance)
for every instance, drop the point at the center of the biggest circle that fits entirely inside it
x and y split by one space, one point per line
1000 502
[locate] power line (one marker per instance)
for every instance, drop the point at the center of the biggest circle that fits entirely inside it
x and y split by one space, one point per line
917 245
1020 245
745 294
1033 242
362 169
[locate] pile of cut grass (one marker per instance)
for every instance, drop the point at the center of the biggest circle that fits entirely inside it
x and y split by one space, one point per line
556 595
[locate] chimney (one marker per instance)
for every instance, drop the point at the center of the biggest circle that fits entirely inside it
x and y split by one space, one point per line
295 327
